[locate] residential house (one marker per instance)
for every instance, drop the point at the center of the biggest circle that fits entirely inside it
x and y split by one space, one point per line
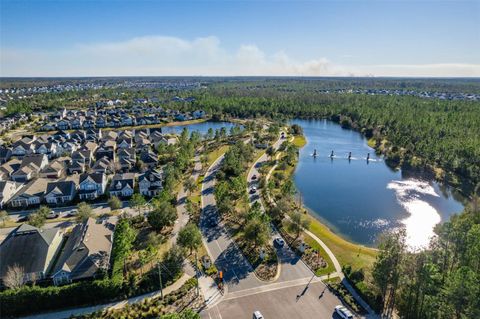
8 168
92 186
31 194
198 114
55 170
86 252
107 152
21 148
7 190
60 192
25 173
76 167
151 182
103 165
82 156
63 124
5 154
93 135
122 185
47 148
31 248
126 158
124 142
149 158
77 122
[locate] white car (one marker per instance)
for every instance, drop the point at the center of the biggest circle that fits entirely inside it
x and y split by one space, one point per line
258 315
343 312
253 190
279 242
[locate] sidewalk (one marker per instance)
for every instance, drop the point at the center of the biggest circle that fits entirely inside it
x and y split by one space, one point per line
113 305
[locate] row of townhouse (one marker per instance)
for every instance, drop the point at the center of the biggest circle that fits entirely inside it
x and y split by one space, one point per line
37 170
114 117
6 123
85 187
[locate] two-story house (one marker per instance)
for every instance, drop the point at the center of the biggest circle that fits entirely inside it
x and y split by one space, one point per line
151 182
92 186
122 185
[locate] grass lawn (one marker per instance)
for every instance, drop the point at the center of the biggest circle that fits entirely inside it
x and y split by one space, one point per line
299 141
357 256
212 156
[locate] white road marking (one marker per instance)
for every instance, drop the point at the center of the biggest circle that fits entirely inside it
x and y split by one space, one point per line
218 312
271 287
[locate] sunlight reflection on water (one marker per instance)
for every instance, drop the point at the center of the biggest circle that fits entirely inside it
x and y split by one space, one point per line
422 216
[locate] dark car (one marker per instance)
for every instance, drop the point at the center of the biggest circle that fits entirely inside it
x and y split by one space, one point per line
22 219
254 177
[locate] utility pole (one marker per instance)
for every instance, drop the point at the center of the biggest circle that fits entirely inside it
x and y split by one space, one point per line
160 280
196 273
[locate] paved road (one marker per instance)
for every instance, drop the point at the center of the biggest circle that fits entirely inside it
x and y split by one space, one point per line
238 273
278 301
291 267
245 292
98 209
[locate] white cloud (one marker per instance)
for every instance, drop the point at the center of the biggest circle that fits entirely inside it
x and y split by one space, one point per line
161 55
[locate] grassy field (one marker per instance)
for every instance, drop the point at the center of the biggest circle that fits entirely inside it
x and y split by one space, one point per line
299 141
212 156
357 256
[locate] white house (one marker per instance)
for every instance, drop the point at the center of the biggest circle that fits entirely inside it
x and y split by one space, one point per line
122 185
92 186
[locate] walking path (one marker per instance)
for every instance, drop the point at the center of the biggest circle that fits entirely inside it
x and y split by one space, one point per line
113 305
338 269
207 286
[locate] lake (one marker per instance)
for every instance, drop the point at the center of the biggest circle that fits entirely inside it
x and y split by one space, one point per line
360 199
202 127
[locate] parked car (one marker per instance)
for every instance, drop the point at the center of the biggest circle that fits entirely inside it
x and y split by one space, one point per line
253 190
279 242
22 219
343 312
73 213
52 215
258 315
254 177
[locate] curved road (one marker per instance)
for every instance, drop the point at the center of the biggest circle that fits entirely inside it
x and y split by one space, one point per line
297 293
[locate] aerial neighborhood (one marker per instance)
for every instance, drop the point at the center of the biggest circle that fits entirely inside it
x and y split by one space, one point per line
79 160
76 156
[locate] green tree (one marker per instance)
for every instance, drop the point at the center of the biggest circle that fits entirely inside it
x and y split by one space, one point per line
4 217
163 215
84 212
115 203
138 202
256 232
172 261
298 223
189 237
190 185
38 218
387 268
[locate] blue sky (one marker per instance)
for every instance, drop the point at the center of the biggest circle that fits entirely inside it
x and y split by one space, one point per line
405 38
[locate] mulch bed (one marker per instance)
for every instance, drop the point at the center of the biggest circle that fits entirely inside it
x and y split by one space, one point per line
310 256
